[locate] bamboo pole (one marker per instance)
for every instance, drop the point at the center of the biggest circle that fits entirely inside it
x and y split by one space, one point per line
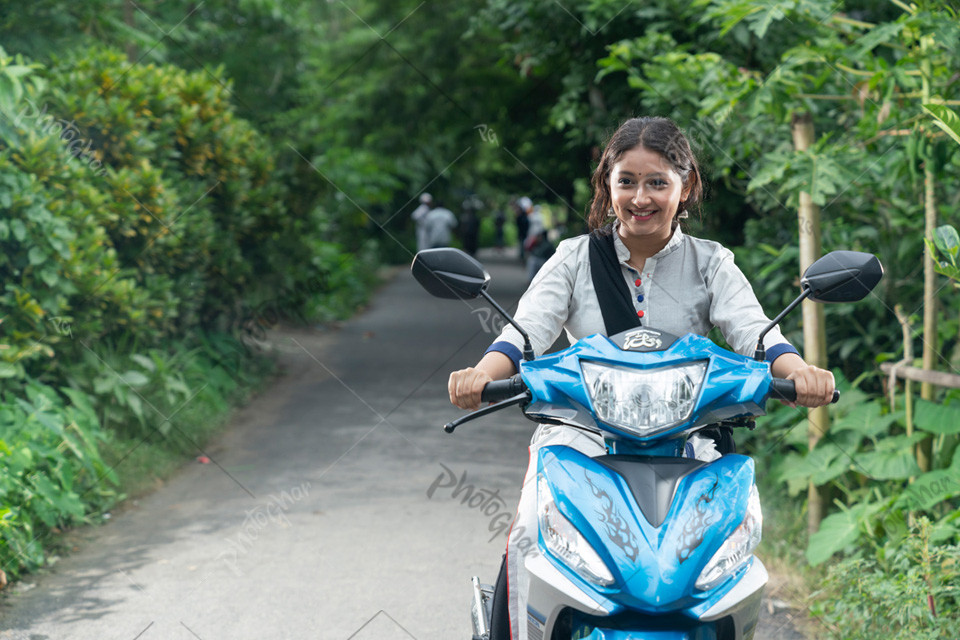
908 383
925 448
814 329
938 378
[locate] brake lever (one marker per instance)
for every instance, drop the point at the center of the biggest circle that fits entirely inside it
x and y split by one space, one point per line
482 411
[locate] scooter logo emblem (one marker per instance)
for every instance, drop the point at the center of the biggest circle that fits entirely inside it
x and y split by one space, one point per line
642 339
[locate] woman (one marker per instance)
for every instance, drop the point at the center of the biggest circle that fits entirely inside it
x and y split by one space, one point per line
646 181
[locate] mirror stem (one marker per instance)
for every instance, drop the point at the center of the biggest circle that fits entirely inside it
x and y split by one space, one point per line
527 347
761 353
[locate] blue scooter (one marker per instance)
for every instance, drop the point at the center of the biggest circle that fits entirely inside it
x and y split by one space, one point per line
643 542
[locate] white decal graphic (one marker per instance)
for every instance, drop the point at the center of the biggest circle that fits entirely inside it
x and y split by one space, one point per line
642 338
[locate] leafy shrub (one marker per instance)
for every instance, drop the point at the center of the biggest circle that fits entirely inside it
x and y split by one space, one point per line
868 462
191 185
194 200
173 392
146 205
56 266
51 473
908 590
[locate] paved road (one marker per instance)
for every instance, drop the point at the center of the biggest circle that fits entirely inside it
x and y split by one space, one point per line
315 519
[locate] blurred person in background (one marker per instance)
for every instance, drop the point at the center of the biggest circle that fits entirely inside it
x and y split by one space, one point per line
439 223
418 216
524 207
499 220
537 244
470 224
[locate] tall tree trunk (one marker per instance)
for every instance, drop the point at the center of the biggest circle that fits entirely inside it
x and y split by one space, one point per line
129 19
814 330
925 448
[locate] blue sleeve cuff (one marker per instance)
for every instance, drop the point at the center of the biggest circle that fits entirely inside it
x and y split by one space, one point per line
508 349
778 350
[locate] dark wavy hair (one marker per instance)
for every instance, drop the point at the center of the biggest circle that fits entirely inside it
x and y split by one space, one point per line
661 135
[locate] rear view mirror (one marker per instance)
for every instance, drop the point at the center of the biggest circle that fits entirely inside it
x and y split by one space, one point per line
839 276
842 276
449 273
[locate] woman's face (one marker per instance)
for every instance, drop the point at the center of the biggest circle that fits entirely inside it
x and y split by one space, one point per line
645 191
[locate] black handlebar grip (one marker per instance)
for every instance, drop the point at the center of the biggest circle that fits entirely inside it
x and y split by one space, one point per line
498 390
783 389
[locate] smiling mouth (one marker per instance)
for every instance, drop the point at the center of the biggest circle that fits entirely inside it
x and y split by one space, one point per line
642 215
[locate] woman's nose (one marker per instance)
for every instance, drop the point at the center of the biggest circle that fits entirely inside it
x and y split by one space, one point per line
640 197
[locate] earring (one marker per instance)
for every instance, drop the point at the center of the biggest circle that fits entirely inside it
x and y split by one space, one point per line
682 211
610 213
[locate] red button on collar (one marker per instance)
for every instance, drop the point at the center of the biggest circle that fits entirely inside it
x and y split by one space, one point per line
640 313
638 283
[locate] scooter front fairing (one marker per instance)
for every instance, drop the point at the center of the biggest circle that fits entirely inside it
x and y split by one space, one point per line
653 522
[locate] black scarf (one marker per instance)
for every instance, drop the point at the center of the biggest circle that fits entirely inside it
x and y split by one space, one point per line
616 303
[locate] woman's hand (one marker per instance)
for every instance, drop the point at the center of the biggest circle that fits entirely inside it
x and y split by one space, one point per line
465 387
814 386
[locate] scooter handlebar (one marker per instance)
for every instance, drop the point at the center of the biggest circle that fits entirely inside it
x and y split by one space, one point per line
498 390
783 389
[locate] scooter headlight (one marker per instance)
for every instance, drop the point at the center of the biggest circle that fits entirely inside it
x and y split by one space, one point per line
566 542
737 549
644 401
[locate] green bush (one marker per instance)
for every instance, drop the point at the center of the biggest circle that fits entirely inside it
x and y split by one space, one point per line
146 206
51 473
191 187
195 203
907 590
61 276
61 449
175 392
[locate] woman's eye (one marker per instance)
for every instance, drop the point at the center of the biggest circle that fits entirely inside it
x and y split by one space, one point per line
623 181
659 184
